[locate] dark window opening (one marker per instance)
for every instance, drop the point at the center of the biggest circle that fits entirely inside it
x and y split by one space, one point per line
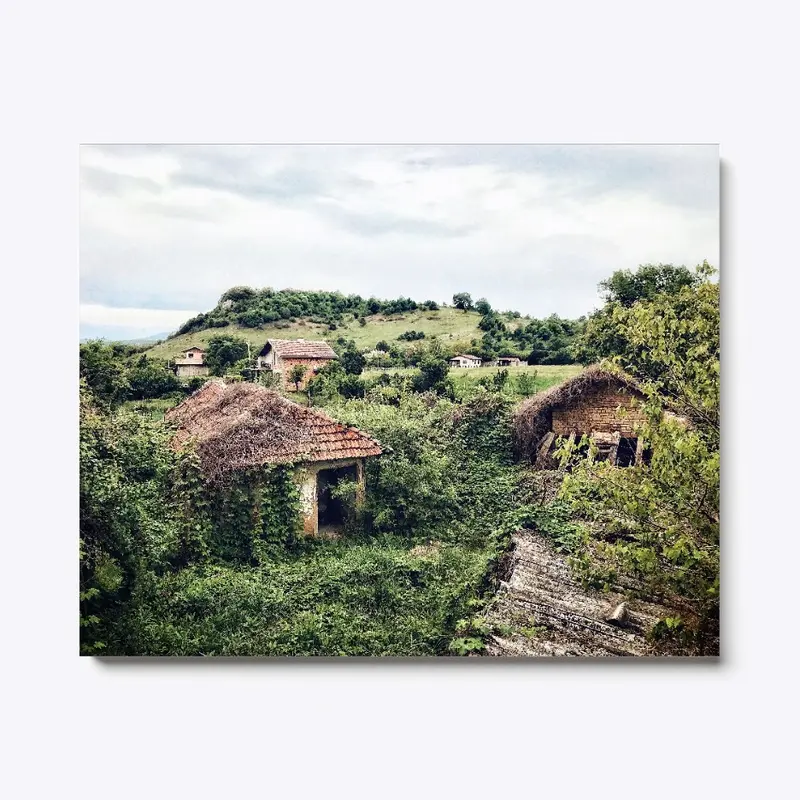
626 452
331 509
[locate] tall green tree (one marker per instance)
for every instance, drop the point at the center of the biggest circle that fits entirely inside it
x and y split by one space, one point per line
603 335
224 351
463 300
105 372
352 360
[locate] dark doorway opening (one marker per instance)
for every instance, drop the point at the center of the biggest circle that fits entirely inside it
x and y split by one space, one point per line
626 452
331 509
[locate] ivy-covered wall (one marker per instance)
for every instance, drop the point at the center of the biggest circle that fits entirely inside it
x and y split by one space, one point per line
253 514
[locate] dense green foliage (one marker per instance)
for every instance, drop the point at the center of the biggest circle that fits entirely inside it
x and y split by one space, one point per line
253 308
115 373
224 351
659 524
174 566
171 564
604 335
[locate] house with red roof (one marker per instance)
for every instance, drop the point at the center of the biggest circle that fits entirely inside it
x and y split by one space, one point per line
280 355
242 426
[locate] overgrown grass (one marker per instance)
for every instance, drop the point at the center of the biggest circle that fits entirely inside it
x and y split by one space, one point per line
155 409
340 599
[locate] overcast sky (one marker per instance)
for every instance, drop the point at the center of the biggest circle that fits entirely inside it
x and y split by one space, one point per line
166 229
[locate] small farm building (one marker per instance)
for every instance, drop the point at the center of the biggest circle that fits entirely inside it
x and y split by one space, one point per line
243 426
191 363
603 405
467 361
508 361
280 355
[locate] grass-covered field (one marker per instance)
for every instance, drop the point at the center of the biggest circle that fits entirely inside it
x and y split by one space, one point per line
449 325
544 375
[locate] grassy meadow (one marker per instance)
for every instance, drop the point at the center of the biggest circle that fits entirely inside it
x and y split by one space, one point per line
546 375
449 325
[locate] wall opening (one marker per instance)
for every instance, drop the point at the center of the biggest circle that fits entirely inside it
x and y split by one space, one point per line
331 509
626 452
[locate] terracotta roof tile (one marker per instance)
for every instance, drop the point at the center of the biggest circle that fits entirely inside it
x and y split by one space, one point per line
242 425
300 348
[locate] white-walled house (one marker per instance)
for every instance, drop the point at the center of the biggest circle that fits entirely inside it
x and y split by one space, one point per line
466 361
191 364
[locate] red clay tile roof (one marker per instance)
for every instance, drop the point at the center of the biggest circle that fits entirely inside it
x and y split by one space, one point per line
299 348
243 425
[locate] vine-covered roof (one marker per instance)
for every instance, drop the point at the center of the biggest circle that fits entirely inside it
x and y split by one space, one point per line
241 425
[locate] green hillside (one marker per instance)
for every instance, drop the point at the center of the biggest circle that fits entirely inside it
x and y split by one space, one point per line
454 328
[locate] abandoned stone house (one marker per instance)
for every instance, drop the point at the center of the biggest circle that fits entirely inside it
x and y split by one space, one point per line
600 404
465 360
508 361
191 364
280 355
241 426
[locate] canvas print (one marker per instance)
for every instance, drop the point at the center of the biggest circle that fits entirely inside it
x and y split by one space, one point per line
399 400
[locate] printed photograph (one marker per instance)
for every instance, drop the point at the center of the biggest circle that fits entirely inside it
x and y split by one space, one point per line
418 400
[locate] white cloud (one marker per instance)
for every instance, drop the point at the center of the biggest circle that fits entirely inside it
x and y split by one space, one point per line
532 228
157 319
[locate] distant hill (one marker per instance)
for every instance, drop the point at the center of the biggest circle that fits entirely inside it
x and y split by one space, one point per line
260 314
119 334
451 326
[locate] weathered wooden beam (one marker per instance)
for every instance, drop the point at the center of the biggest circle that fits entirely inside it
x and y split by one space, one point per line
544 449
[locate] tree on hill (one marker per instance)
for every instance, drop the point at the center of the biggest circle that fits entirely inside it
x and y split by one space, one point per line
463 300
224 351
483 307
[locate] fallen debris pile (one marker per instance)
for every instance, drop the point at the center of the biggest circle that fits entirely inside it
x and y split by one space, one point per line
548 613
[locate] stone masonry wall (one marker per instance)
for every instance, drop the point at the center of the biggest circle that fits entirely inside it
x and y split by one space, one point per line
607 410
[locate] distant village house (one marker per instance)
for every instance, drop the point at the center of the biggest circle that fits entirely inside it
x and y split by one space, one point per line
597 403
508 361
243 426
191 364
280 355
466 361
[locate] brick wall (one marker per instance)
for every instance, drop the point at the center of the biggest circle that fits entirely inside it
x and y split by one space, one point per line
284 365
607 409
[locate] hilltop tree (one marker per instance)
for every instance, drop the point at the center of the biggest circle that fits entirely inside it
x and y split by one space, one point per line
483 307
463 300
606 335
